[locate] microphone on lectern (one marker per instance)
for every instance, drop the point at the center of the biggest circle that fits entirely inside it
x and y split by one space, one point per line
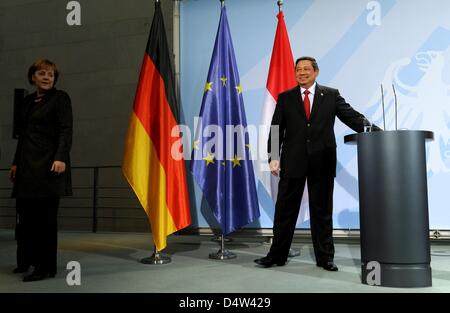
382 103
395 99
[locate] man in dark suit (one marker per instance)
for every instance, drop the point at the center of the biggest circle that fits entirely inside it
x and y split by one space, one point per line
303 123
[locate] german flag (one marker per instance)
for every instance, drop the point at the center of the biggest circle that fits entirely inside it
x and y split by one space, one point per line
157 177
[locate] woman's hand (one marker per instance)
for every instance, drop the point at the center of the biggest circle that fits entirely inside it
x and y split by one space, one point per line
58 167
12 173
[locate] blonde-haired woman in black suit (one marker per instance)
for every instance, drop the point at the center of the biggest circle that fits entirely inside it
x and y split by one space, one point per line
41 171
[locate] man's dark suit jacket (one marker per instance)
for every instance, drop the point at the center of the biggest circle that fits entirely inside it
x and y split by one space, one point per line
309 147
45 136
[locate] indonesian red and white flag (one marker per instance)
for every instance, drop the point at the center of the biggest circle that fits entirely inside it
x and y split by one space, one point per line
281 77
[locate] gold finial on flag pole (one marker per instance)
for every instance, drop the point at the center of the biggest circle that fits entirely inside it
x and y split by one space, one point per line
280 4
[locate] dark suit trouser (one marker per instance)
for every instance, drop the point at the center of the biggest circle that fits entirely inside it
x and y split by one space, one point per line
37 233
290 192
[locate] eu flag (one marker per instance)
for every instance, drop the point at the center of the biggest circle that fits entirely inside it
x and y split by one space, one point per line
221 162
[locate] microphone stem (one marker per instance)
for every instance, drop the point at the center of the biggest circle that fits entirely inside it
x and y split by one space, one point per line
382 102
395 97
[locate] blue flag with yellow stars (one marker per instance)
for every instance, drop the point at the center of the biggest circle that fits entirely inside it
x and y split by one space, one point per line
221 162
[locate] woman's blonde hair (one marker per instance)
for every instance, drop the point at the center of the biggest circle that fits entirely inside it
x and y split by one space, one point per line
39 65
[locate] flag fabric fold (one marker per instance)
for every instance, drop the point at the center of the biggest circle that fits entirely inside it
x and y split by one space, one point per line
157 177
221 163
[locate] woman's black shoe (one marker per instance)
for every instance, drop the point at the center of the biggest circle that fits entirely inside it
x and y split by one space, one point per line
20 270
35 276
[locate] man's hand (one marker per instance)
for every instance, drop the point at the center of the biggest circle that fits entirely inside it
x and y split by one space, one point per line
12 173
58 167
275 167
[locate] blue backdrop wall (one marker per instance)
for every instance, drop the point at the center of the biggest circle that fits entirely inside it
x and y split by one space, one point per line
359 45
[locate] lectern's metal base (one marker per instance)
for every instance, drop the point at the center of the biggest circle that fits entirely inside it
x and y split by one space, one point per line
398 275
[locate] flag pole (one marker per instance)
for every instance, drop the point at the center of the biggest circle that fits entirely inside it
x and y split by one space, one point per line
157 258
222 254
219 238
292 252
280 5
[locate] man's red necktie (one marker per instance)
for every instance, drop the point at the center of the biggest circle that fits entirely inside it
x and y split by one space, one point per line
307 104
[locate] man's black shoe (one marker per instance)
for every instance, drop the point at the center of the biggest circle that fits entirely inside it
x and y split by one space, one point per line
268 261
328 266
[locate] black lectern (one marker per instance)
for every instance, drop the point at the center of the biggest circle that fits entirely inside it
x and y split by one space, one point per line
393 206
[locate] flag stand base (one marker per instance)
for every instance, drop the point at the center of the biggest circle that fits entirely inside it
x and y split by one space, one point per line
293 253
268 240
222 255
157 259
219 239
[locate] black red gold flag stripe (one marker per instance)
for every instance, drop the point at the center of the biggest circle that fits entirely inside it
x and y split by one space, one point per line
156 176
